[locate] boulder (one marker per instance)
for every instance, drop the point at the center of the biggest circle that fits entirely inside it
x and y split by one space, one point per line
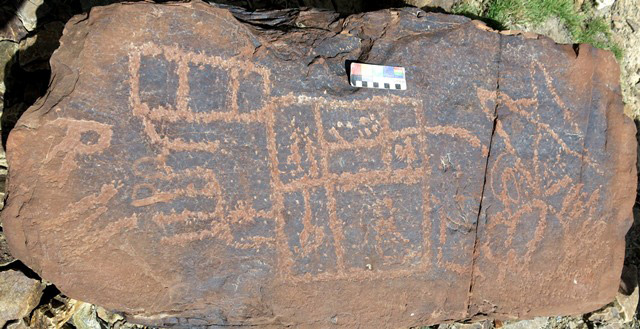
194 165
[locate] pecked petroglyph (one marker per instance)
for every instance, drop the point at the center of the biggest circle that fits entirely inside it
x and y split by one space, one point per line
319 150
316 146
81 137
225 173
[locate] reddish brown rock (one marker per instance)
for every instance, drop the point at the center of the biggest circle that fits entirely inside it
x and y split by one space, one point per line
559 187
191 166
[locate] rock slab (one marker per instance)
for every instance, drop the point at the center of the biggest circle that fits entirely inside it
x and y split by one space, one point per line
202 166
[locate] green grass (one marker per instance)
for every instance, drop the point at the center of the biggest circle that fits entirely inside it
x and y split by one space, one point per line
598 33
514 14
467 9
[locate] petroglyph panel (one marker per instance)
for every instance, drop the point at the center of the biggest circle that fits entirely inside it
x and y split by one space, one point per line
225 173
213 179
543 200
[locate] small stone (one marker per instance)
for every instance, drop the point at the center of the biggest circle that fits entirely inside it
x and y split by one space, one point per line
575 323
444 4
13 29
474 325
536 323
605 315
85 317
612 326
107 316
54 314
29 11
19 295
601 4
618 22
8 50
5 256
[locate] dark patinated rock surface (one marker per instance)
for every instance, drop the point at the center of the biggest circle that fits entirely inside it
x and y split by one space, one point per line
194 166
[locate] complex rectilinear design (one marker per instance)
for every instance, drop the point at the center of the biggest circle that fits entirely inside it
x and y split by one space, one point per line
316 179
